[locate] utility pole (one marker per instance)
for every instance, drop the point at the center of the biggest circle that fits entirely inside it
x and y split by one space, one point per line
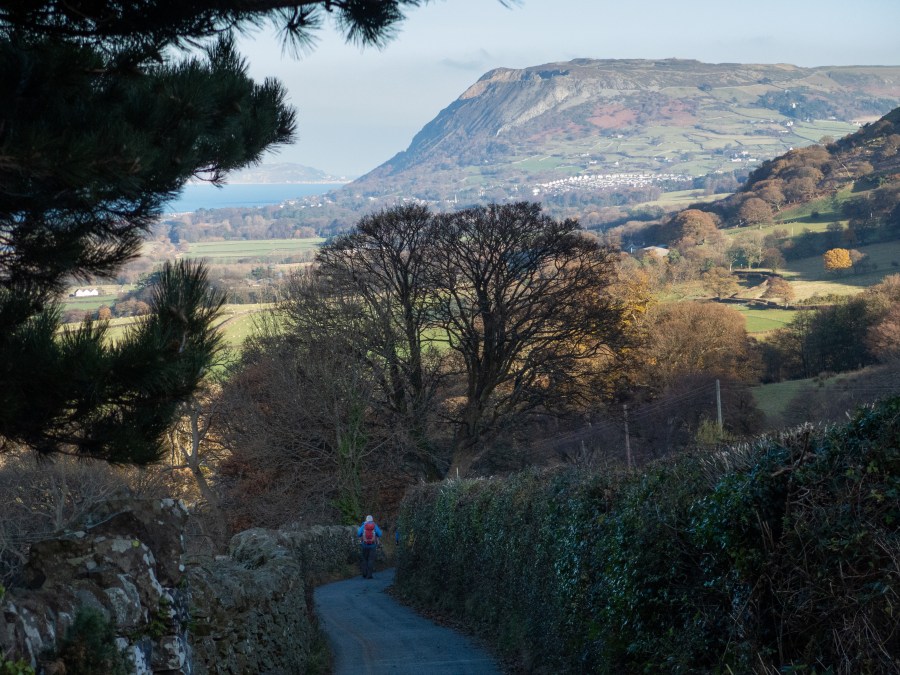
627 442
719 406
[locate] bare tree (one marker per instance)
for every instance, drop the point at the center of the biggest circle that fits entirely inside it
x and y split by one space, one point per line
883 338
381 269
41 496
523 301
196 451
302 417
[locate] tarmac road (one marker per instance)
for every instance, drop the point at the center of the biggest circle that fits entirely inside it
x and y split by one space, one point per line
371 633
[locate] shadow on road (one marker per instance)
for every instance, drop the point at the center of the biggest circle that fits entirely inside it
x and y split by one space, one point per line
372 633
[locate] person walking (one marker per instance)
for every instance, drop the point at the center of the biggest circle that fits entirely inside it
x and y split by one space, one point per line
369 534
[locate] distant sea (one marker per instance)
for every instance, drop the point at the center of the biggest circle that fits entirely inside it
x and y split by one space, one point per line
205 196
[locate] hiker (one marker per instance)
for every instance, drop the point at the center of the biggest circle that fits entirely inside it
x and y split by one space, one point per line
368 534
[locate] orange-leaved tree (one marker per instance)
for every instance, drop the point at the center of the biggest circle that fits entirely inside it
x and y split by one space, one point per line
837 259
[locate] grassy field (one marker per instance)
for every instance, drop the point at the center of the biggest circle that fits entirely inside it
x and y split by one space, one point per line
90 303
237 323
827 208
703 145
848 390
808 276
108 295
794 226
772 399
683 198
264 249
241 323
760 321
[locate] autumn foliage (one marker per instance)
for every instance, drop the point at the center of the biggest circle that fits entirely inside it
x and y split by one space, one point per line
837 259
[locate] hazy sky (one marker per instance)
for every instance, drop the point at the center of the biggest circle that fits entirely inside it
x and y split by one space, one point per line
358 107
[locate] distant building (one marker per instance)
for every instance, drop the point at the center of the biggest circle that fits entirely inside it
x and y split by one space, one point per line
84 293
656 251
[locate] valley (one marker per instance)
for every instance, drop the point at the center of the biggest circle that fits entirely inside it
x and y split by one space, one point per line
610 351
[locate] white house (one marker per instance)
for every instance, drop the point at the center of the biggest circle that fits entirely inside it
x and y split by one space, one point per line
84 293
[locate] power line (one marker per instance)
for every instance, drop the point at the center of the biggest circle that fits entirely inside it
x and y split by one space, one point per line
649 410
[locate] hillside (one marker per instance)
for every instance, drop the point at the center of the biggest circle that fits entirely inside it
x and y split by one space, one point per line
544 130
283 172
863 162
842 193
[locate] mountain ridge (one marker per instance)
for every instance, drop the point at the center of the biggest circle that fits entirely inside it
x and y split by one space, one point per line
520 128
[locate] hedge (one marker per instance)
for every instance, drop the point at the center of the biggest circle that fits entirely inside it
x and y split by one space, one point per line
778 556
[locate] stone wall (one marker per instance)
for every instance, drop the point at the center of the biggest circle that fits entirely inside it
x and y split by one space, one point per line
243 612
126 562
251 610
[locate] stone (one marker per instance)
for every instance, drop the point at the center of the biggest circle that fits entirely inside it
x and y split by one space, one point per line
245 612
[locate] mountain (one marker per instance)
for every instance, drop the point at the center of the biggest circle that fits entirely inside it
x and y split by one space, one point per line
283 172
581 125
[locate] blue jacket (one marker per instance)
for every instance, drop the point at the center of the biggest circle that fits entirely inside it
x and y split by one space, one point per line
359 533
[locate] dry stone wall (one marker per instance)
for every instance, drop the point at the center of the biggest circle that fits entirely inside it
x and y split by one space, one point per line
243 612
251 609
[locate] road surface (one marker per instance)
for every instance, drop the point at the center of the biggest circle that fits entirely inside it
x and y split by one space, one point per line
372 634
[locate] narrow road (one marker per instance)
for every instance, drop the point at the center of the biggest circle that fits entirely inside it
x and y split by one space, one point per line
372 633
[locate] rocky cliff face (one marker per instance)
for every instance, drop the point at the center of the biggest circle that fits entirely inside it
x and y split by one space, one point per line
244 612
125 562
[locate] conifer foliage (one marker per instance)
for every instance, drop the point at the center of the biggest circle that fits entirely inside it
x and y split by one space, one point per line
109 107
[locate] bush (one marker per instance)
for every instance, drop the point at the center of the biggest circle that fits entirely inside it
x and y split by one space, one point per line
14 667
89 647
783 555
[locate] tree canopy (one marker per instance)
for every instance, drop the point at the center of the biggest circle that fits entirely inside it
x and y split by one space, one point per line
524 301
837 259
463 326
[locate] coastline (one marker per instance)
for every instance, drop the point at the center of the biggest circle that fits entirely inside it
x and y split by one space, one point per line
196 196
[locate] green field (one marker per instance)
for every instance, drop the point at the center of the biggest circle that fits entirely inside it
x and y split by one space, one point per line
241 322
855 387
808 276
706 145
828 209
89 304
237 323
683 198
773 399
108 295
258 249
765 320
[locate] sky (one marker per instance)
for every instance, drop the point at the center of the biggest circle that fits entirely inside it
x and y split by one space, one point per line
357 107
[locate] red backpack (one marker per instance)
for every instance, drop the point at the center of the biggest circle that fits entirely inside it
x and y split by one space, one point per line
369 534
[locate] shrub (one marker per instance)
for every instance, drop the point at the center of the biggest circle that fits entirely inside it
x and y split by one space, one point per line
89 647
19 667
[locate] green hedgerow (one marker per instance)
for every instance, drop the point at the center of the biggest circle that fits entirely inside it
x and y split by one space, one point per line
777 556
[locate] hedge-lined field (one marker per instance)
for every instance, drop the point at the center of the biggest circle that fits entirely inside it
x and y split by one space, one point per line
780 556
